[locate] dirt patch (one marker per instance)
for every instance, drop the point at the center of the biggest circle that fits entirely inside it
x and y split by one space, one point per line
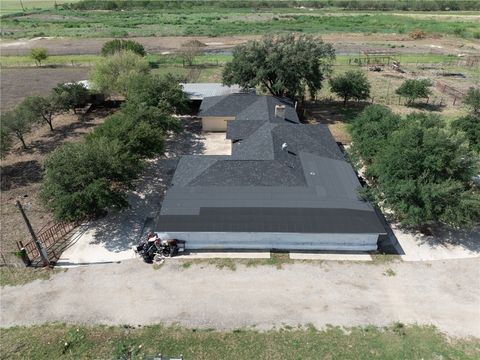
22 172
16 84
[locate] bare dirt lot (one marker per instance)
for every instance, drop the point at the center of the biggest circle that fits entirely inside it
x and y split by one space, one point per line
21 173
344 44
15 84
442 293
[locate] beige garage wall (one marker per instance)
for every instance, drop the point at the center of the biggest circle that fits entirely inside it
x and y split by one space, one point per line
215 123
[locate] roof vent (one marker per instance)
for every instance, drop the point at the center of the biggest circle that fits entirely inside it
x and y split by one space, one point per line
284 146
280 111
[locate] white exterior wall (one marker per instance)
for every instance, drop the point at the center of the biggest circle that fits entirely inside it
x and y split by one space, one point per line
215 123
280 241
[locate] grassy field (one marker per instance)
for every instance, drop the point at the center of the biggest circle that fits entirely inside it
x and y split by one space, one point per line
100 342
14 6
213 21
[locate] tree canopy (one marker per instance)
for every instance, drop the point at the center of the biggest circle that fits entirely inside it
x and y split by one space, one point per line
5 141
190 50
113 74
39 55
472 100
417 167
41 109
85 178
370 131
113 46
352 84
18 122
414 89
470 125
285 65
70 96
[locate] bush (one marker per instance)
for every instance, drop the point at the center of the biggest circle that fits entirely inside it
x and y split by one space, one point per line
138 138
84 179
17 122
371 130
352 84
70 96
418 34
5 141
113 46
112 75
470 125
472 100
424 173
39 55
414 89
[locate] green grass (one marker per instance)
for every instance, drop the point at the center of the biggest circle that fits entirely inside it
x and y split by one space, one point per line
276 259
214 21
14 6
19 276
100 342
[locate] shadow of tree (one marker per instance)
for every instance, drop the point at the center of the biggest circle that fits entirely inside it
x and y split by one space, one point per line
333 111
428 107
442 235
20 174
120 229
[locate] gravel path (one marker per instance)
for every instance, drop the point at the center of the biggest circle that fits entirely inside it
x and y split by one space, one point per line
443 293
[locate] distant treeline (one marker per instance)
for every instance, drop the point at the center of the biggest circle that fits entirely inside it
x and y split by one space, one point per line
406 5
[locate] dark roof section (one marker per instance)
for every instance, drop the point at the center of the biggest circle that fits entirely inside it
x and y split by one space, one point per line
248 107
281 177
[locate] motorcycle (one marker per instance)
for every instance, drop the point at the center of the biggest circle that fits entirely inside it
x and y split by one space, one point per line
156 249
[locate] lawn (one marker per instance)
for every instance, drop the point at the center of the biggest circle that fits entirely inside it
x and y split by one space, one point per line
122 342
215 21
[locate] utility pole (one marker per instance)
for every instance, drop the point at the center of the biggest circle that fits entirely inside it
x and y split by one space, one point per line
38 245
21 3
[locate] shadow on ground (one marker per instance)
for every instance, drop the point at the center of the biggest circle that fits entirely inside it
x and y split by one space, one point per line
20 174
119 230
445 236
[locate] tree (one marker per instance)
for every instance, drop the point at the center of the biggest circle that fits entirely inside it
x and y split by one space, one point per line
39 55
113 46
5 141
18 122
472 100
370 132
159 117
414 89
352 84
112 74
190 49
41 109
70 96
424 174
160 91
284 65
139 138
470 125
83 179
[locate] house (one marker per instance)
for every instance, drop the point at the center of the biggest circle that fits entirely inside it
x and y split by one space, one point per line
285 186
216 111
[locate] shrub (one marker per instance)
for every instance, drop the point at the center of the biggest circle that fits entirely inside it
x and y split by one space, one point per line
352 84
18 122
418 34
472 100
470 125
5 141
41 109
414 89
190 50
424 173
113 46
371 130
112 75
138 138
39 55
70 96
84 179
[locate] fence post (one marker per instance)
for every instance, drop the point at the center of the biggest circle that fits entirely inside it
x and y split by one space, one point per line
40 249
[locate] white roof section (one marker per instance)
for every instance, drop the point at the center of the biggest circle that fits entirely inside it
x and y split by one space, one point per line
199 91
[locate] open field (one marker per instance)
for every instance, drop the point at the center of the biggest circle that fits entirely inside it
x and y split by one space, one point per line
215 21
394 342
14 6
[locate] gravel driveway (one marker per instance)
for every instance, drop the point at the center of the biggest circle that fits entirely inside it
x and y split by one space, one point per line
443 293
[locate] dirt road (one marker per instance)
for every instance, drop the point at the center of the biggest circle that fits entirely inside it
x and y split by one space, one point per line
443 293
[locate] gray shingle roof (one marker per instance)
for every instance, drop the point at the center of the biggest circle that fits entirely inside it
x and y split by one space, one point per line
307 186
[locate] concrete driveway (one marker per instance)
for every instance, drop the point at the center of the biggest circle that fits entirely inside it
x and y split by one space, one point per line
443 293
111 238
